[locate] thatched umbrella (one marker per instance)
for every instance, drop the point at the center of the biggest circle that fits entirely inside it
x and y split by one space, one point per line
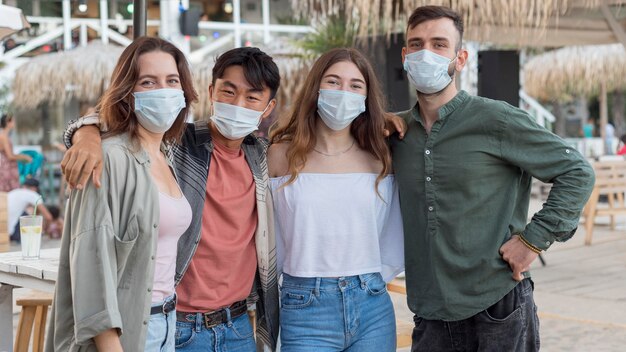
574 71
82 73
515 22
562 74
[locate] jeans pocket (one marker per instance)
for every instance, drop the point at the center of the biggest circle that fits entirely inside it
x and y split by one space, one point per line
376 286
294 298
514 315
242 328
185 333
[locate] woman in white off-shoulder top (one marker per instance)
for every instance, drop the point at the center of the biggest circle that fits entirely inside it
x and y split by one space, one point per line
338 224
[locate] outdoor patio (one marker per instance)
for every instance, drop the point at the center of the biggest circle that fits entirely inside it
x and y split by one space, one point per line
580 293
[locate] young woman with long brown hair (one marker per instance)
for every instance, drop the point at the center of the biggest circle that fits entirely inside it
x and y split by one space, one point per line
338 224
115 287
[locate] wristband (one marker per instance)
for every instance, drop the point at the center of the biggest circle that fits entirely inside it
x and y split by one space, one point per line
529 245
74 125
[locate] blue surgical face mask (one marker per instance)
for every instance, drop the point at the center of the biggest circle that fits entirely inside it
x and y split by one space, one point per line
338 108
427 71
235 122
156 110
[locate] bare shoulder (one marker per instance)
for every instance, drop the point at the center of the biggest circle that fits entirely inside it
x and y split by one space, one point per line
277 159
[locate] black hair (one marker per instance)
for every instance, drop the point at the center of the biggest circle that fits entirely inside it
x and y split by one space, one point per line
427 13
259 68
4 120
623 138
54 211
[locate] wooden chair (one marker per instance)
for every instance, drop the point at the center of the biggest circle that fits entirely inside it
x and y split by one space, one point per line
611 183
4 235
33 317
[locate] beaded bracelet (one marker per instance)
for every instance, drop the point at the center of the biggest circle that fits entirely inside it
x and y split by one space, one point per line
529 245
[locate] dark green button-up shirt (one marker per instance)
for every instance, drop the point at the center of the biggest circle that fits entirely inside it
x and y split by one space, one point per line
464 190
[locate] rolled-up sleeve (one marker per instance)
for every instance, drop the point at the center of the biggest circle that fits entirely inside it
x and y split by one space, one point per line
94 283
92 262
550 159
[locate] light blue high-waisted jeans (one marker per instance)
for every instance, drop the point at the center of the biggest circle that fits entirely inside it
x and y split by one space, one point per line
161 328
351 313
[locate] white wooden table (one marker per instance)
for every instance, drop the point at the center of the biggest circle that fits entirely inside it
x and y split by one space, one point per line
39 274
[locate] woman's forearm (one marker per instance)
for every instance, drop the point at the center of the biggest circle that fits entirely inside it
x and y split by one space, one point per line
108 341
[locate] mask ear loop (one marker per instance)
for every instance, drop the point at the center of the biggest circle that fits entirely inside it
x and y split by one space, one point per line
261 116
453 67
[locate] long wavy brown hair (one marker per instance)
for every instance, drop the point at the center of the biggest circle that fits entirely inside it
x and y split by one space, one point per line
298 127
116 107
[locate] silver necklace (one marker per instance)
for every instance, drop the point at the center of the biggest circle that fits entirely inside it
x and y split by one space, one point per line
337 154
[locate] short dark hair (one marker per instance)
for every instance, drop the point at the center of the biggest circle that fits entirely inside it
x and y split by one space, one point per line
623 138
258 67
54 210
31 182
5 120
427 13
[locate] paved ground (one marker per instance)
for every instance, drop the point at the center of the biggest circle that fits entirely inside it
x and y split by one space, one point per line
581 293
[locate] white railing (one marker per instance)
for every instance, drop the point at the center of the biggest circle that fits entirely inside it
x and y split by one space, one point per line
544 117
60 28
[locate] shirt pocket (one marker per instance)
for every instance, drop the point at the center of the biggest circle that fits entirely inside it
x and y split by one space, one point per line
125 244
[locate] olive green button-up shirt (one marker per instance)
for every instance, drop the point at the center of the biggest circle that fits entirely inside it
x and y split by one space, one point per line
464 190
106 265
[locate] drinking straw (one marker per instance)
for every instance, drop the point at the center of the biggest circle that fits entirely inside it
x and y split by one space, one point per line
37 203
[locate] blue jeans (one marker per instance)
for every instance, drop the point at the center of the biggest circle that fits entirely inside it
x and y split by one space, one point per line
352 313
161 327
235 335
511 325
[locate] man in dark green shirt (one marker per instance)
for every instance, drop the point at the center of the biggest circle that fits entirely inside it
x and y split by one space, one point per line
464 169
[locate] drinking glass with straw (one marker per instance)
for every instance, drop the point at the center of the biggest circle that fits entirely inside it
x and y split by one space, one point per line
30 233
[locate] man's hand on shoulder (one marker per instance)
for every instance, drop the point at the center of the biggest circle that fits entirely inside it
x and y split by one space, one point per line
84 158
393 124
518 255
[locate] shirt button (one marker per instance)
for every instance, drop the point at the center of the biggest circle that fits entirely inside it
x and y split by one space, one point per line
145 322
430 208
567 151
152 257
547 243
155 226
427 152
149 290
428 178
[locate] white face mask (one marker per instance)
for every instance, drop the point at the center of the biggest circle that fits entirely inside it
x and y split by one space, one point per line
156 110
427 71
235 122
338 108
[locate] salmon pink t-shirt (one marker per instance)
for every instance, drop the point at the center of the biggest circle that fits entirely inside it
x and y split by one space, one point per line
223 268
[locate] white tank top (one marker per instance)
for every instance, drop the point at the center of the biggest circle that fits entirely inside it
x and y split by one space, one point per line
331 225
175 217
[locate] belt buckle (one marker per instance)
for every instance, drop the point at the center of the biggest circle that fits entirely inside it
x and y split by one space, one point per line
207 320
168 306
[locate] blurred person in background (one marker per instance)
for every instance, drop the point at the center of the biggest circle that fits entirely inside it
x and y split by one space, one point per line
621 149
9 176
55 227
21 201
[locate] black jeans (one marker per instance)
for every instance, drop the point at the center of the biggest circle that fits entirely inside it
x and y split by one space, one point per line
510 325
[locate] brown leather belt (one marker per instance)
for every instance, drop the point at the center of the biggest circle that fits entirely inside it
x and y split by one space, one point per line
215 317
